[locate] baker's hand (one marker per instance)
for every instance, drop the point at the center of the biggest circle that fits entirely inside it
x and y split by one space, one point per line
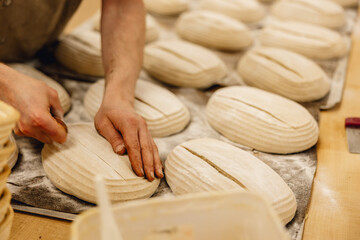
35 101
127 131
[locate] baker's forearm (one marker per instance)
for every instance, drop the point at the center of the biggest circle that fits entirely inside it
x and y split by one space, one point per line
123 33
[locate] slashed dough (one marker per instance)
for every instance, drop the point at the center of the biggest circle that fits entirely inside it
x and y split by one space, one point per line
73 165
166 7
247 11
213 30
284 72
211 165
347 3
184 64
309 40
261 120
320 12
163 112
64 97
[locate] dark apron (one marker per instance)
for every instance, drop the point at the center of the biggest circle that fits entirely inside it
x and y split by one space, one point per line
26 26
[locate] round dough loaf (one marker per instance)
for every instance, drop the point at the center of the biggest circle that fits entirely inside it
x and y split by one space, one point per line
248 11
27 70
73 165
347 3
166 7
283 72
81 52
162 110
183 64
309 40
213 30
210 165
261 120
320 12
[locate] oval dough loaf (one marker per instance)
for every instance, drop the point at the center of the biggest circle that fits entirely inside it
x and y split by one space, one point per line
209 165
162 110
248 11
320 12
166 7
309 40
152 32
213 30
64 97
261 120
183 64
73 165
283 72
347 3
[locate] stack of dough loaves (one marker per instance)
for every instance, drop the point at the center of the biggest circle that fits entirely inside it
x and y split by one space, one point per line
161 109
261 120
73 165
166 7
320 12
309 40
248 11
183 64
213 30
283 72
211 165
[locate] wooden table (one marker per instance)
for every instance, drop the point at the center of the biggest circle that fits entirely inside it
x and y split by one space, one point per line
334 210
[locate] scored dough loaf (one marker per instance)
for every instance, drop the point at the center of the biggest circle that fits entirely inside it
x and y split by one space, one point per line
261 120
73 165
248 11
183 64
283 72
166 7
212 165
320 12
151 34
213 30
309 40
27 70
347 3
163 112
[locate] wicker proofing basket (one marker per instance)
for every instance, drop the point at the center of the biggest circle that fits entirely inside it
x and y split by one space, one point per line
5 225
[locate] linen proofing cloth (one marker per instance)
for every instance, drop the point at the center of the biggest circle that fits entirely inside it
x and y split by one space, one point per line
28 25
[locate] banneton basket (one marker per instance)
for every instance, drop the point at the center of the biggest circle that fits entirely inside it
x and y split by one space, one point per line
4 174
8 118
5 199
5 152
5 225
12 159
210 216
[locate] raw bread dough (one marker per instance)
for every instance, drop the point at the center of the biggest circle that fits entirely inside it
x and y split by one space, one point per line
309 40
283 72
213 30
64 97
347 3
80 51
8 118
152 32
212 216
261 120
209 165
166 7
162 110
248 11
320 12
183 64
73 165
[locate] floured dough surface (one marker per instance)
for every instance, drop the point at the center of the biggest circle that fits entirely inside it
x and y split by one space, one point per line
64 97
73 165
166 7
213 30
309 40
320 12
261 120
248 11
163 112
210 165
284 72
184 64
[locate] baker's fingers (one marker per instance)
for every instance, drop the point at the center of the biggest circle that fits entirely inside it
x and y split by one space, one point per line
34 132
48 124
55 105
146 151
132 145
18 132
107 130
157 161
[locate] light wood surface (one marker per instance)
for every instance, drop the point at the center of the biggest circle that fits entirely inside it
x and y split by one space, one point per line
334 211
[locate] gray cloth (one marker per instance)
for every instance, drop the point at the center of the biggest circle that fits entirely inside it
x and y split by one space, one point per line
26 26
